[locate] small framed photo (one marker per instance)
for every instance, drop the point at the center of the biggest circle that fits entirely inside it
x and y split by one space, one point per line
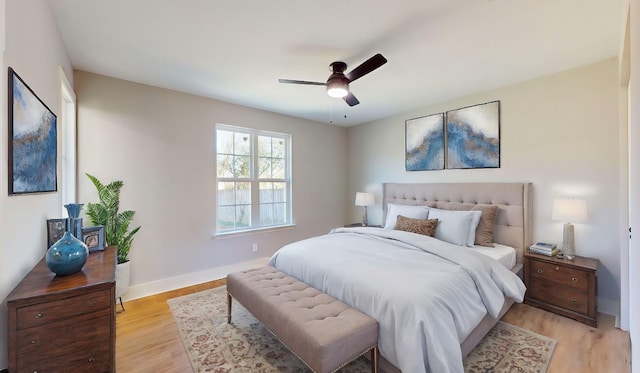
55 230
93 237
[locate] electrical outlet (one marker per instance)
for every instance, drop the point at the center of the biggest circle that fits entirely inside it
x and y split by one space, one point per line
254 247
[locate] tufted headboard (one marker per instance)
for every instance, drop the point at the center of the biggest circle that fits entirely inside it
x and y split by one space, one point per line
513 221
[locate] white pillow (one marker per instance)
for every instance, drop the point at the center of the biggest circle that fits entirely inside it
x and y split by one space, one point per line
393 210
455 226
471 240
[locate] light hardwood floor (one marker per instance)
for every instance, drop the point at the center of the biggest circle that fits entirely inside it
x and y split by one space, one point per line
147 338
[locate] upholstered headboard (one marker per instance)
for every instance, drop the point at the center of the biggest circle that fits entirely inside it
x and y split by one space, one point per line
513 220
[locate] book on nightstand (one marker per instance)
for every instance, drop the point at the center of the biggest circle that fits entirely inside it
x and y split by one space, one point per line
548 249
553 252
544 246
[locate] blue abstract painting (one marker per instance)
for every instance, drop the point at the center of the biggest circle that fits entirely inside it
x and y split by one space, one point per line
424 143
473 136
33 144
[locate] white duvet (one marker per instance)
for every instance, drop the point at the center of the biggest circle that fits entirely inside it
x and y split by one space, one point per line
426 294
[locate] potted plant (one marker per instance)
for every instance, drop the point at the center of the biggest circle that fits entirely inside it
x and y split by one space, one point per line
116 227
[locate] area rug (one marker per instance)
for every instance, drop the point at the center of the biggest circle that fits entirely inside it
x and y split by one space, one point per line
247 346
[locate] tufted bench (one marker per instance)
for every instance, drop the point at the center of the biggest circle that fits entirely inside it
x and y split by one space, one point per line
323 332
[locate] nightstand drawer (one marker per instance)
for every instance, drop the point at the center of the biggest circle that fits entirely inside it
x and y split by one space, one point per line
564 297
39 314
562 275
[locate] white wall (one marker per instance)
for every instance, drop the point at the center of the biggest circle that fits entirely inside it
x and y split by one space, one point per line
559 132
34 49
161 144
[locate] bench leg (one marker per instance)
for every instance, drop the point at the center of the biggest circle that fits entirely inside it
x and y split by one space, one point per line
374 359
228 308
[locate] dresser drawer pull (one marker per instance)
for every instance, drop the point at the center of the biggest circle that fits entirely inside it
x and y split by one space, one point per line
574 279
557 268
538 291
540 270
38 315
574 301
91 359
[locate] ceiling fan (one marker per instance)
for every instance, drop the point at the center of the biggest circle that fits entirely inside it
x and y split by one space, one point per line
338 82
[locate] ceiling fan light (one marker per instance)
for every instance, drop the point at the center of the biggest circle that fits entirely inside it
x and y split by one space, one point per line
337 88
337 92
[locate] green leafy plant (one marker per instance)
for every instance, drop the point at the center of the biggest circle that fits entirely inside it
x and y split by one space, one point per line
116 223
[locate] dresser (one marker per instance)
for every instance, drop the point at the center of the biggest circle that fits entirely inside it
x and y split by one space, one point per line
565 287
64 323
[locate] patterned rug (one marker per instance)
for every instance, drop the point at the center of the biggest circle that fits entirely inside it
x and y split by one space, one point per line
247 346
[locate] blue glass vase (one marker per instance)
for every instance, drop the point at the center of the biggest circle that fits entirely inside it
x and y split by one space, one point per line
74 222
67 255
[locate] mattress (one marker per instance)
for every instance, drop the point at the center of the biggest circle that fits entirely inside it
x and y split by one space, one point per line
505 255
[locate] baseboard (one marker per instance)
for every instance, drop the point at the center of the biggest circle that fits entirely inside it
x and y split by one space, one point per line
610 307
160 286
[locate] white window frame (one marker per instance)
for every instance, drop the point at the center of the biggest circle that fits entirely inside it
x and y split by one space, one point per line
69 167
254 180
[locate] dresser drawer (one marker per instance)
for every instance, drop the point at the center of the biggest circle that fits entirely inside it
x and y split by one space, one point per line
562 275
73 345
550 293
97 363
39 314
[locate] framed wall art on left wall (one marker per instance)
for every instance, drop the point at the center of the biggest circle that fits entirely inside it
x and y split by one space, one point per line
32 140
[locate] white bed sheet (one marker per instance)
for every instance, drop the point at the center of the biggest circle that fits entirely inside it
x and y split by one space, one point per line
383 273
505 255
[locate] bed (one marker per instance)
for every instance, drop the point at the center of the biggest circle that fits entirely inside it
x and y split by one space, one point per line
406 280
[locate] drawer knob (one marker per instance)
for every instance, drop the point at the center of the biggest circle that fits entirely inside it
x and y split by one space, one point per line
557 268
574 301
91 359
574 279
538 291
540 270
38 315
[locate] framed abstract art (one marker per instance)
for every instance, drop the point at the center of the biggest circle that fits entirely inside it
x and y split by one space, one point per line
32 141
473 136
424 143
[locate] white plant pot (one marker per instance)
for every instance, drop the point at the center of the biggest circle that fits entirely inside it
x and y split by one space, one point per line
122 278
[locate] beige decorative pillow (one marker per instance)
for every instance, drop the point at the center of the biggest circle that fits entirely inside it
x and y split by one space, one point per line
426 227
484 232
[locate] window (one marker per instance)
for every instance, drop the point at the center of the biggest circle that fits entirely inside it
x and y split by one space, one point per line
253 179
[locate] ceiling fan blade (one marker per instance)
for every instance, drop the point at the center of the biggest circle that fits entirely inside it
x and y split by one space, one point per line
350 99
289 81
366 67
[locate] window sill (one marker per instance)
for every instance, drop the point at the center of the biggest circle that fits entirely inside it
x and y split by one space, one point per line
252 231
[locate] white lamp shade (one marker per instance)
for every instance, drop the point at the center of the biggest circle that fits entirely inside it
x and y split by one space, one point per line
364 199
569 210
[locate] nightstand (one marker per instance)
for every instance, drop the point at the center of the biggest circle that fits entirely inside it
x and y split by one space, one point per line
565 287
352 225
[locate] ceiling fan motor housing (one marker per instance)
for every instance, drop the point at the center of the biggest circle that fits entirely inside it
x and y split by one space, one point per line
338 84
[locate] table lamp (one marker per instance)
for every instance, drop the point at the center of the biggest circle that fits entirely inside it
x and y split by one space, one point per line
364 200
569 210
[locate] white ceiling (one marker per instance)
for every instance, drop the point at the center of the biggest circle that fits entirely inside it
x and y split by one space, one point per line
235 51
